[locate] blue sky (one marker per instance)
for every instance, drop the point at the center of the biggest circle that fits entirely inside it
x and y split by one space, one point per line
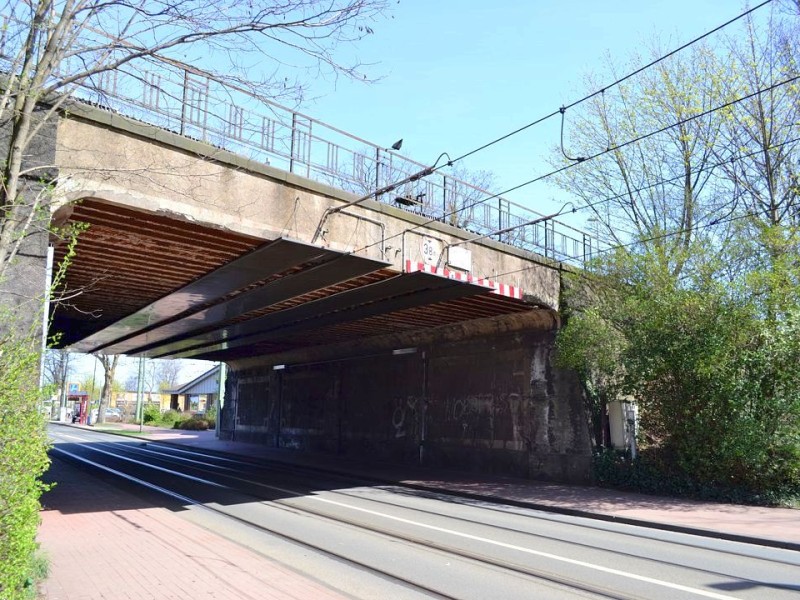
456 74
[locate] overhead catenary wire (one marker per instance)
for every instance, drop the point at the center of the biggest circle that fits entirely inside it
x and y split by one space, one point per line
682 176
653 238
561 110
449 163
589 158
652 63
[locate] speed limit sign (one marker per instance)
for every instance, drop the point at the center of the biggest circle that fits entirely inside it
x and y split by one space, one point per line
431 249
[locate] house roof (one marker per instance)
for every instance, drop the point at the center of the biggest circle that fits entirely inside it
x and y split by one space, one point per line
207 383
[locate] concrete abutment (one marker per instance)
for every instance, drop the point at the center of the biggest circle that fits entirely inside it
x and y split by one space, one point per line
483 396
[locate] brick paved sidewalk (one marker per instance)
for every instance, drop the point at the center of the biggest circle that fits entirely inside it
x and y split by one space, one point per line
105 544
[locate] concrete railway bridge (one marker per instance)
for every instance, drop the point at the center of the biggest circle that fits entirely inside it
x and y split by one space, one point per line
374 328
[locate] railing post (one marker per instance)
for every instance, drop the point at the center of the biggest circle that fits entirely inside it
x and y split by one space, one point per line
444 198
377 169
309 147
292 143
499 219
184 100
546 240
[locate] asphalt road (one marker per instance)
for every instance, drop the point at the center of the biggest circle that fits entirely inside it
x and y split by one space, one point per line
373 541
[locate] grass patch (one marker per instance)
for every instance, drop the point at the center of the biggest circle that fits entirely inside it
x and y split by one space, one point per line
132 433
38 571
110 426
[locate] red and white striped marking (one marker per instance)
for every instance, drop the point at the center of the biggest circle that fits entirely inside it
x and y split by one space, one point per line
501 289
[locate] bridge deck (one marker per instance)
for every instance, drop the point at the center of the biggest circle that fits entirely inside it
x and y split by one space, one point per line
167 288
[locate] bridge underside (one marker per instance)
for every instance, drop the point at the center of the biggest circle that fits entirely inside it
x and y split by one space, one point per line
147 284
329 351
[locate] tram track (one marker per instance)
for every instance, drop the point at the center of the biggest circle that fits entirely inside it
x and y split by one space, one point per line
189 460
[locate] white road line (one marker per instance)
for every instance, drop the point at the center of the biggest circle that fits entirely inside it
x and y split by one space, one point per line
242 479
146 484
571 561
139 462
196 452
71 437
172 457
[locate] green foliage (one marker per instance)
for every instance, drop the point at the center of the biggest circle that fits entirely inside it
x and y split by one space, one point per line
192 424
652 472
151 414
169 418
712 362
23 458
23 444
211 417
38 570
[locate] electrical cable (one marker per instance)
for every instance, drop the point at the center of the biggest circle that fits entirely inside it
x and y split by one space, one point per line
654 238
683 175
563 109
652 63
588 158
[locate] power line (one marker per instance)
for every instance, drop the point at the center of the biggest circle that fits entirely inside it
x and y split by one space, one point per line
590 157
654 238
434 168
636 140
564 108
683 175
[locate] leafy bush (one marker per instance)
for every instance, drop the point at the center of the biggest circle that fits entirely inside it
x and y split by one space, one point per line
22 460
211 417
151 414
712 365
653 473
169 418
193 424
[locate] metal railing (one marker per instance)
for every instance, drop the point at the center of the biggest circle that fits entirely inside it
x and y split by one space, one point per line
192 103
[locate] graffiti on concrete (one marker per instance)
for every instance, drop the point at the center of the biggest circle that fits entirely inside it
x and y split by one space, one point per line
489 419
405 418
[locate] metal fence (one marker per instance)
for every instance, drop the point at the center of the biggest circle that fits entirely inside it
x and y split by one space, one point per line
194 104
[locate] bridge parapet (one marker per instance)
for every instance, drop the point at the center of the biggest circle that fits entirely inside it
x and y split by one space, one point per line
191 103
112 158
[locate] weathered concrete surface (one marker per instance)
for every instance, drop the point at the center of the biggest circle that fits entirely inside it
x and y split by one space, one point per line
22 290
483 396
109 157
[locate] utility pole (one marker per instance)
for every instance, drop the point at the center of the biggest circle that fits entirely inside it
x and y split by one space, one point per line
62 414
139 394
219 402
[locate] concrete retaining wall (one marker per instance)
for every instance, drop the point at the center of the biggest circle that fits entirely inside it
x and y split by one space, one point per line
489 402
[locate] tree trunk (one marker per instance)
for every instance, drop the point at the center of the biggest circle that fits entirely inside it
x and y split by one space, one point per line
109 368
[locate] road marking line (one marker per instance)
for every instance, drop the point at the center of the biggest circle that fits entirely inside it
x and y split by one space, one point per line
72 437
571 561
172 457
139 462
147 484
197 452
242 479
